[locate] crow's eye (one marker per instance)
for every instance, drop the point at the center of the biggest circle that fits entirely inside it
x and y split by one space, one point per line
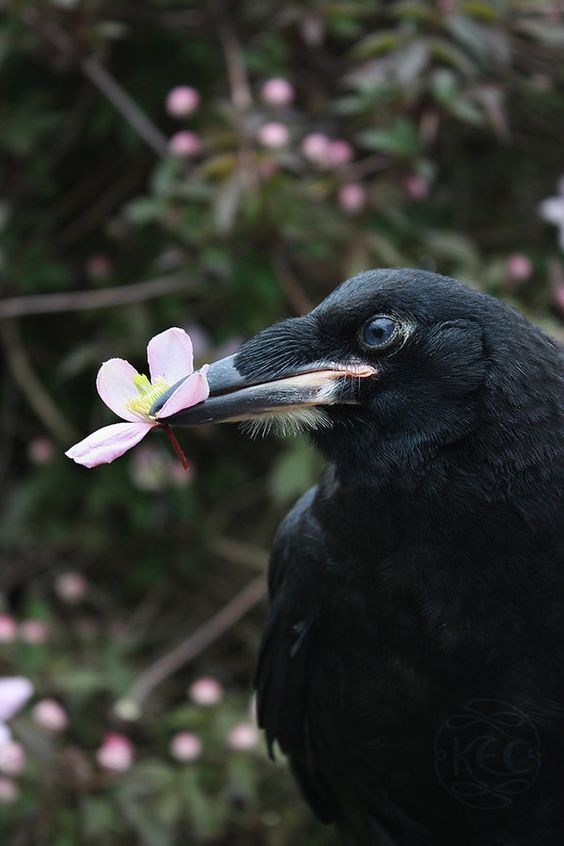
379 332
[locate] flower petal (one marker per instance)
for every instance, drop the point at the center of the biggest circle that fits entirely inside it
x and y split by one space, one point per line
170 356
193 390
116 387
104 445
14 693
552 209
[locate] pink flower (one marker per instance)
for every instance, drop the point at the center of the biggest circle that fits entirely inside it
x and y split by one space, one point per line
552 210
518 267
273 135
71 587
41 450
558 298
243 737
8 629
50 715
185 145
339 153
314 147
33 632
206 691
352 197
182 101
14 693
116 753
131 396
12 758
185 746
8 791
415 186
277 92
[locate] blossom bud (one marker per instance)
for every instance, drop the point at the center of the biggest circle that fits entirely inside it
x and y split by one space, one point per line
277 92
518 267
116 753
41 450
8 629
33 632
71 587
185 145
182 101
243 737
273 135
352 197
339 153
185 746
12 758
50 715
206 691
314 147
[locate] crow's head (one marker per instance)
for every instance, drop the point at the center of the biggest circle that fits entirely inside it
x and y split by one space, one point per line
392 368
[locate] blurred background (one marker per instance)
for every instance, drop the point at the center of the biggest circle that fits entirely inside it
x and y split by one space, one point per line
216 166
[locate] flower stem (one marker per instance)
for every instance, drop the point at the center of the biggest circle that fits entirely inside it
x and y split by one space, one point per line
176 446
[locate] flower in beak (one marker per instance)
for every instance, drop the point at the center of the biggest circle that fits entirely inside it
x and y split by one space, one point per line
131 395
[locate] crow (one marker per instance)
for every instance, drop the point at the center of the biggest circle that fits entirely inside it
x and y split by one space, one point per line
412 664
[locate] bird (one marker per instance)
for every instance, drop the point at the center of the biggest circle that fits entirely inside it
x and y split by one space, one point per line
411 667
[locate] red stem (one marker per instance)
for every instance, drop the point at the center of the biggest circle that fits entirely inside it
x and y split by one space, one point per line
176 446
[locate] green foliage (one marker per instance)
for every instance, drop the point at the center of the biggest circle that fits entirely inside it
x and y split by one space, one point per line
450 108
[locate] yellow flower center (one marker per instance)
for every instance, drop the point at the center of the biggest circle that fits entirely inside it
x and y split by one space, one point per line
148 394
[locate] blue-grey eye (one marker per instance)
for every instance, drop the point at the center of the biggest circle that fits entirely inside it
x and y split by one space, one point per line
379 331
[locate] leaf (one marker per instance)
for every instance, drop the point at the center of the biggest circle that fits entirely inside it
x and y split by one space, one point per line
490 46
401 139
544 31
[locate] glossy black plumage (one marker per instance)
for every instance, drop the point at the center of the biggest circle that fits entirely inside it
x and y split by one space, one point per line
424 572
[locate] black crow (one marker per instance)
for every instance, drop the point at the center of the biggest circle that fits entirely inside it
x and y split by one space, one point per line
412 664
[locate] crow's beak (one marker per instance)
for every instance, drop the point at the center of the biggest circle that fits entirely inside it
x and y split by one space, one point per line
234 397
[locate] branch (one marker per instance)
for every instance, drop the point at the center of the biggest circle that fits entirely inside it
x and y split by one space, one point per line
29 383
297 298
190 648
99 298
104 82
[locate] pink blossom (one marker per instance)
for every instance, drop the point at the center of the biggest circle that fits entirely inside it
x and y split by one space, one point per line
8 629
131 396
12 758
185 145
41 450
558 298
352 197
206 691
185 746
14 693
116 753
150 468
242 737
315 146
518 267
71 587
8 791
339 152
552 210
178 477
277 92
50 715
415 186
99 267
33 632
182 101
273 135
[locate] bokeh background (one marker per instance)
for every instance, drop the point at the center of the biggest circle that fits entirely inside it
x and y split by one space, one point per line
216 166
